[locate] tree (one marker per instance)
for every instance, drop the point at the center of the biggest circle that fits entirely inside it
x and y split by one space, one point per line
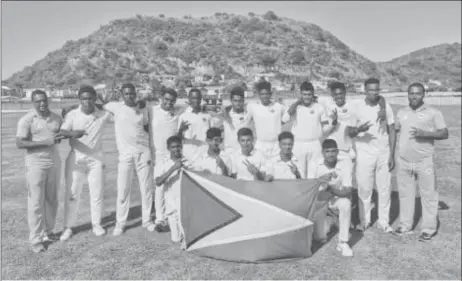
297 57
270 15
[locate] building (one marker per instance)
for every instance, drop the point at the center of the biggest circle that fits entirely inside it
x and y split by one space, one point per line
267 76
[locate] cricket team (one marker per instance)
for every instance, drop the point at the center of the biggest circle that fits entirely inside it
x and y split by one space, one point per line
246 141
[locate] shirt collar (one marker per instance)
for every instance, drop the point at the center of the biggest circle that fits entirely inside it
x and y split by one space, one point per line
421 108
293 158
35 114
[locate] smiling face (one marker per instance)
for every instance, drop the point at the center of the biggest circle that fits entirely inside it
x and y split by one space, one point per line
215 143
129 95
175 149
372 92
40 103
330 155
237 102
87 102
168 101
338 95
265 96
307 97
286 146
246 143
195 99
415 96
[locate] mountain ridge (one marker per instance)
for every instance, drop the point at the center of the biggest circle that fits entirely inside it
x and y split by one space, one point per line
142 49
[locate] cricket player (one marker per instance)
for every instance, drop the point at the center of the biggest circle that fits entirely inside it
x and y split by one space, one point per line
336 177
133 144
247 163
235 117
214 160
167 176
163 124
267 118
193 125
375 149
308 128
85 127
285 165
419 125
38 133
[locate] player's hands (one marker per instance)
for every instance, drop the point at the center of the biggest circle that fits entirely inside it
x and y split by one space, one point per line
294 169
184 126
364 127
334 117
416 133
381 115
299 101
327 177
78 134
250 167
220 163
179 163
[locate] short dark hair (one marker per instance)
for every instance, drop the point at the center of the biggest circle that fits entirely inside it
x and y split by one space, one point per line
285 135
128 86
174 139
213 132
329 143
417 84
371 81
169 91
38 92
237 91
306 86
194 90
263 85
244 132
337 86
86 89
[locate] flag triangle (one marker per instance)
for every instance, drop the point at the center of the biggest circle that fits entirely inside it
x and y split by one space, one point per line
201 212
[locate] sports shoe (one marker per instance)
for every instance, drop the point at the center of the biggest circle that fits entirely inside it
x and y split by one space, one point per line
402 231
67 233
49 237
162 227
345 249
424 236
37 248
98 230
118 230
150 226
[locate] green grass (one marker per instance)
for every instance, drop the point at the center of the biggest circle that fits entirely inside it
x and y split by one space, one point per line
141 255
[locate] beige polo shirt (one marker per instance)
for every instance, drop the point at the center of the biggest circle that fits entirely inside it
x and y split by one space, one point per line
308 122
345 119
280 169
208 163
343 171
34 127
425 118
267 120
239 120
164 124
199 124
238 167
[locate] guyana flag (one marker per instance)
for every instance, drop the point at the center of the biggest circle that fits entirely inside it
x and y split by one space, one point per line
248 221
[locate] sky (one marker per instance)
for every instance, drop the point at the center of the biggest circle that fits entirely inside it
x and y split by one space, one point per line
377 30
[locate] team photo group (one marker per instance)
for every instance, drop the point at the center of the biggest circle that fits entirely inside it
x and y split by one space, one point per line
331 142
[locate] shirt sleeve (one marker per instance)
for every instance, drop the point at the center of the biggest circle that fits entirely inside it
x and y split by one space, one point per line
111 106
390 115
23 129
68 120
438 120
159 170
324 118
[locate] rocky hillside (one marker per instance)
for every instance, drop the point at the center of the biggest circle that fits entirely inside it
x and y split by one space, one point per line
142 48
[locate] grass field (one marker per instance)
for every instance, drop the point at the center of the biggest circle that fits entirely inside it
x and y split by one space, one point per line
142 255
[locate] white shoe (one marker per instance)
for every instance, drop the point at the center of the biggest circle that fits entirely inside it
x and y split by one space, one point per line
67 234
118 230
150 226
98 230
345 249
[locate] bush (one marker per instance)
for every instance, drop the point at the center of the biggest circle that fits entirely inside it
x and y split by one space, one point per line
270 15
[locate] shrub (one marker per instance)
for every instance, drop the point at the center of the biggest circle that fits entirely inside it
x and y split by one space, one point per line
270 15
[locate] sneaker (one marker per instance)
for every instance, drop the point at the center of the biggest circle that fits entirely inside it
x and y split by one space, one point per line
150 227
49 237
98 230
67 233
402 231
162 227
424 236
118 230
345 249
37 248
387 228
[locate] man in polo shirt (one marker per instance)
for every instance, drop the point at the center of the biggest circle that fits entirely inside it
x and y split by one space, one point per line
285 165
163 124
419 126
214 159
267 118
38 133
247 163
235 117
375 149
133 144
167 176
193 125
339 182
85 160
308 128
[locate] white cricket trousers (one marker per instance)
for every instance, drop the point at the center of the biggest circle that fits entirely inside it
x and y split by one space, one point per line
77 170
373 168
172 212
340 207
268 148
142 164
310 153
159 198
42 201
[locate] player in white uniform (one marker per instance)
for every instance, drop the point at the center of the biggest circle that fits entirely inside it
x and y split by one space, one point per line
375 149
214 160
193 125
267 118
310 124
85 127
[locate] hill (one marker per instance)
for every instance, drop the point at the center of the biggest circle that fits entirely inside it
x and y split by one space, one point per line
142 49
